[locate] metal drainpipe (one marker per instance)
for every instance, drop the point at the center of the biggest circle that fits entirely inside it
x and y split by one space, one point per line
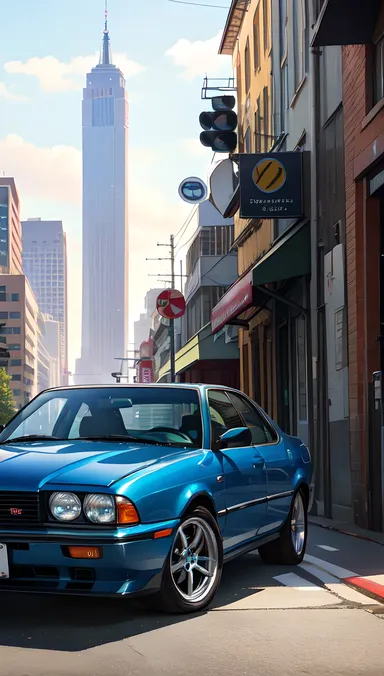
319 395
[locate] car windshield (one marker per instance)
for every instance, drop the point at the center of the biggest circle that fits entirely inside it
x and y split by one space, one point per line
164 415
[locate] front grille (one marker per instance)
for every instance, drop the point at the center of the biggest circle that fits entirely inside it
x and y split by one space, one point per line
19 509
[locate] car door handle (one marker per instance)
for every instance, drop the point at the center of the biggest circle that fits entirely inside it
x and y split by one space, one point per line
257 462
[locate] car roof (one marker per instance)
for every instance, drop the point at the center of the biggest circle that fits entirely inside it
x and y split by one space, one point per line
189 386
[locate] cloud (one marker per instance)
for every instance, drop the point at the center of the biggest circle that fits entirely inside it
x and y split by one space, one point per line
6 93
199 58
52 173
59 76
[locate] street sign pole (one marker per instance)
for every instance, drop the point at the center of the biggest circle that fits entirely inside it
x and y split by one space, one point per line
172 321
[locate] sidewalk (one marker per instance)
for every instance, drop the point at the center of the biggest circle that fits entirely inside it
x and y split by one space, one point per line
347 528
371 585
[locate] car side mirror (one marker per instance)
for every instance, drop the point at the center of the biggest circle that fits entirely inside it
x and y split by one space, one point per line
237 436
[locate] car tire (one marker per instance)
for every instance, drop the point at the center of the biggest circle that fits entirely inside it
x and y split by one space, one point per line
289 548
175 595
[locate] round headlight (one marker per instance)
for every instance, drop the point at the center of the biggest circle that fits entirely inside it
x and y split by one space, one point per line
100 508
65 506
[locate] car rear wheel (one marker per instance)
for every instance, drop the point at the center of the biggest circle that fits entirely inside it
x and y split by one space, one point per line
193 569
289 549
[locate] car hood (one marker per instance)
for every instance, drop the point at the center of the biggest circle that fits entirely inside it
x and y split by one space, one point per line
29 466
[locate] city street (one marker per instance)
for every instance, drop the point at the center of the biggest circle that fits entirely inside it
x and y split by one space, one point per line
266 620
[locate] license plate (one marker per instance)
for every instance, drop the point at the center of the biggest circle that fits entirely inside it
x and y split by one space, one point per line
4 566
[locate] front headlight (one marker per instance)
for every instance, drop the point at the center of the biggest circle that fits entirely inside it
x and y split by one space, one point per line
100 508
65 506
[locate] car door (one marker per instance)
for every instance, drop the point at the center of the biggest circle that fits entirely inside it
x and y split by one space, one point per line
243 473
279 463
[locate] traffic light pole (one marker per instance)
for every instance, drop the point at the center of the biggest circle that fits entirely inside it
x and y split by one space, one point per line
172 321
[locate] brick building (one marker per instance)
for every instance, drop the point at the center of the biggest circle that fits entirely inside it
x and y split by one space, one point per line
362 38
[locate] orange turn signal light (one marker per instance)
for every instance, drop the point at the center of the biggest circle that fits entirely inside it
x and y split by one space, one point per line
126 512
86 552
162 533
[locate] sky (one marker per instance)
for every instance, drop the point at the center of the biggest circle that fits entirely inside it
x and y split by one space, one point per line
164 49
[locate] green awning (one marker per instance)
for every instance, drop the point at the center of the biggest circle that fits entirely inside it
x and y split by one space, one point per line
289 257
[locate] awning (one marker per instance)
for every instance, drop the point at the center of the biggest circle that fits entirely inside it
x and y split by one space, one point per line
238 298
202 347
289 257
346 22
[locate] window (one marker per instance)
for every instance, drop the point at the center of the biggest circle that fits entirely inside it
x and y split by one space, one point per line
266 118
266 23
16 393
247 141
14 315
258 136
247 68
17 377
3 315
223 414
378 72
256 39
14 346
15 297
15 362
261 432
301 368
283 29
299 41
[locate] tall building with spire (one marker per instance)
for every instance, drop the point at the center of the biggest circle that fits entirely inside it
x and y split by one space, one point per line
105 221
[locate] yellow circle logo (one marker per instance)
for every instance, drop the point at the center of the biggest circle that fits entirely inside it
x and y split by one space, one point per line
269 175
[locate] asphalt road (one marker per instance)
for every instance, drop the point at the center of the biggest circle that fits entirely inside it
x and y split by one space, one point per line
266 620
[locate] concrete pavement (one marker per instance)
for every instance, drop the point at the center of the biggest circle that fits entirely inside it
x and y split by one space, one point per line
265 620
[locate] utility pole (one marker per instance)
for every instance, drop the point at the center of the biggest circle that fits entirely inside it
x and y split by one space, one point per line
171 321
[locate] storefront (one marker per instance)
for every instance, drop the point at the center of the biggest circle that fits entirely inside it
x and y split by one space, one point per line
270 305
206 358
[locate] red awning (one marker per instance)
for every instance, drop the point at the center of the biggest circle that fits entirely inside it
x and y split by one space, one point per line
236 300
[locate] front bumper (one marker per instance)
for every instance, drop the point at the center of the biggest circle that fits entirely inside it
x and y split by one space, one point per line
132 561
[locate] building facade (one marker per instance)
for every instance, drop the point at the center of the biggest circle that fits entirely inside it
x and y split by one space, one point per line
20 313
142 326
290 299
105 221
10 228
45 265
362 41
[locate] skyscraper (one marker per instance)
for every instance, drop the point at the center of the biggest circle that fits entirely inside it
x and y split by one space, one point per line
45 265
105 221
10 228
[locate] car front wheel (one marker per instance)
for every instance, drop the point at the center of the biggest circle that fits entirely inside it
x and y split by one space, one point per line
289 549
193 569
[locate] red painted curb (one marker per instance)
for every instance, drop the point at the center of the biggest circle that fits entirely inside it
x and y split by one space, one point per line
367 585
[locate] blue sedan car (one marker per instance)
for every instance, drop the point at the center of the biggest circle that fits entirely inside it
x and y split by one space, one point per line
127 489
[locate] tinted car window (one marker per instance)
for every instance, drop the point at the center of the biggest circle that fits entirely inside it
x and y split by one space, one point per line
261 432
223 414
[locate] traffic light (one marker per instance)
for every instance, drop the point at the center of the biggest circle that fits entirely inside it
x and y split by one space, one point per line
219 125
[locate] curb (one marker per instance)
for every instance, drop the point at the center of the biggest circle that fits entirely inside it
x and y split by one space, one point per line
371 588
345 532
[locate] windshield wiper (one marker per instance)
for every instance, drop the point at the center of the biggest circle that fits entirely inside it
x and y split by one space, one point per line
31 437
122 437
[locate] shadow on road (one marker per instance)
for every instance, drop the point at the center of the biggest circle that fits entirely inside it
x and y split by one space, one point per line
65 623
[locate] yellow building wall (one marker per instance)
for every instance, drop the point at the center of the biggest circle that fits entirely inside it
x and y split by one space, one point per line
252 64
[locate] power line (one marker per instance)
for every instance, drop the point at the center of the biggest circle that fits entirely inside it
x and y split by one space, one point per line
183 228
198 4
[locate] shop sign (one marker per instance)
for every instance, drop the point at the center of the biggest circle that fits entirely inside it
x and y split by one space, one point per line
145 371
237 299
271 185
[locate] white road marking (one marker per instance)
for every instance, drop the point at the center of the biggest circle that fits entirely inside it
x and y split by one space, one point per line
337 571
299 583
336 586
328 549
